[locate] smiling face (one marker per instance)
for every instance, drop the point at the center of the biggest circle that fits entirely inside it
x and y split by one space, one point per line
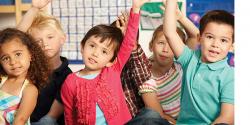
162 52
96 54
216 40
50 39
15 58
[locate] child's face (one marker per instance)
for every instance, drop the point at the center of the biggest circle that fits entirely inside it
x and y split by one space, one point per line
216 41
97 55
50 39
161 50
15 58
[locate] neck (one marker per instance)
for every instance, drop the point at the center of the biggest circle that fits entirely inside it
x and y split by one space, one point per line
87 71
55 62
159 70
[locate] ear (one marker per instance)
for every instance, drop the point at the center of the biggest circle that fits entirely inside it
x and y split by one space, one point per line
231 48
150 46
81 50
109 64
199 38
63 39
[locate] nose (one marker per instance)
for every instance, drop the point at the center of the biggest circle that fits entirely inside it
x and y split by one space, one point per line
165 49
215 43
95 52
12 61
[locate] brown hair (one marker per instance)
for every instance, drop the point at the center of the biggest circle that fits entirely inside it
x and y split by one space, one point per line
218 16
39 70
105 32
160 29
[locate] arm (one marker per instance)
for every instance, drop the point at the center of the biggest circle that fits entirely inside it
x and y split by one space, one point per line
191 30
27 105
139 64
29 17
56 110
169 29
151 101
67 98
226 114
130 35
148 91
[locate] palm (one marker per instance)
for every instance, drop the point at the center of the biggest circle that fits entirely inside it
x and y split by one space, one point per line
40 3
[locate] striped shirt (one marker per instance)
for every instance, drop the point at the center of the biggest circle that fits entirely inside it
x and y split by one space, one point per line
168 90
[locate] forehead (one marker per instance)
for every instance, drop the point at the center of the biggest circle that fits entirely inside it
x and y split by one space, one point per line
219 29
107 43
12 45
40 32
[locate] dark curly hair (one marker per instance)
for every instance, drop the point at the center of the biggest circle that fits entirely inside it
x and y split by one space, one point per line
39 69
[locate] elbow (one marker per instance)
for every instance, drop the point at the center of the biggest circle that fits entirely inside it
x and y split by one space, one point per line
20 121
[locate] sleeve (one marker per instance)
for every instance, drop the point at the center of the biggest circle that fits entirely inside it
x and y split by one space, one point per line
227 91
185 57
128 41
67 94
139 64
148 87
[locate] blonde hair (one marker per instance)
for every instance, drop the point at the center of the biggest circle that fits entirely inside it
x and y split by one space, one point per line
44 20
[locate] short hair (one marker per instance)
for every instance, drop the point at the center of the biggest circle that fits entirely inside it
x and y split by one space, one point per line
160 29
218 16
105 32
39 69
44 20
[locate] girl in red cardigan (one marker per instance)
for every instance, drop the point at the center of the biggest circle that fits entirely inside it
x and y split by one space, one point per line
94 94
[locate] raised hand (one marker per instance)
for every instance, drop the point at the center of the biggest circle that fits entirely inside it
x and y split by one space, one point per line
179 14
122 22
40 3
137 5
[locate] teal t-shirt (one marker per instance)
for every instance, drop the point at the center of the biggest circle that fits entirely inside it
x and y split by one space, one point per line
100 119
205 87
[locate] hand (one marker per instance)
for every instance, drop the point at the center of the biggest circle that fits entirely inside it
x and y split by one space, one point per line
122 22
178 12
137 4
40 3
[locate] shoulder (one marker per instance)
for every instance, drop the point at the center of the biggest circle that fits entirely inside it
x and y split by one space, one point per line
30 89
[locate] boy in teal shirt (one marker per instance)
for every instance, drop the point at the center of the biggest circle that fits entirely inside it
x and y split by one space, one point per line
208 81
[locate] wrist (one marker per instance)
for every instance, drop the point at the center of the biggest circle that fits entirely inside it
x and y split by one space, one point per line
136 9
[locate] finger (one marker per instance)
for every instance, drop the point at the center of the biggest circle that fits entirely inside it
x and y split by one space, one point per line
162 8
117 23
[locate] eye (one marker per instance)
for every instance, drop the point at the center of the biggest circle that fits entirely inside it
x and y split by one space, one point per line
224 40
209 37
5 59
92 45
18 54
50 37
104 52
161 43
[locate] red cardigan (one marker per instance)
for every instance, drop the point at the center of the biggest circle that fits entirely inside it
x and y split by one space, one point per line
79 94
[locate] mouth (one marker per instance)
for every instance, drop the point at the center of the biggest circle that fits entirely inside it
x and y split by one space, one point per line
213 53
91 60
163 57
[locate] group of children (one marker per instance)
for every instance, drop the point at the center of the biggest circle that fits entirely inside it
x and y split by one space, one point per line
179 84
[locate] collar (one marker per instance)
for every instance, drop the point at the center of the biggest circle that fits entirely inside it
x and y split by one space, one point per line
64 64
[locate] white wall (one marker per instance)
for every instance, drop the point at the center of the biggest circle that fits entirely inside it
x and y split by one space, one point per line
8 20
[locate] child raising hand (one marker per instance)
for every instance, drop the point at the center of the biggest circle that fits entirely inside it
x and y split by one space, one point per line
24 69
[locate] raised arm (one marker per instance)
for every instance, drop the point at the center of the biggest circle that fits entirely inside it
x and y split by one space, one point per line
29 17
191 30
169 28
